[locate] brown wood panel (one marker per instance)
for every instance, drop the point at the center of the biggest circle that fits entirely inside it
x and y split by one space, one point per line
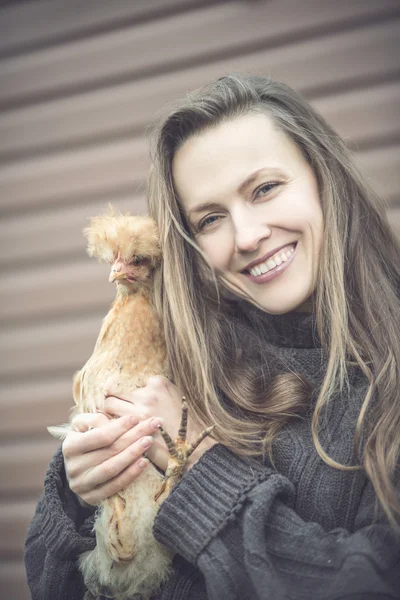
41 22
231 27
381 166
52 289
28 407
69 176
23 466
55 232
365 114
14 521
338 58
13 584
46 347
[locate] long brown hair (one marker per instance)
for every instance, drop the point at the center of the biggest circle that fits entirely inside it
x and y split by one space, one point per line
356 302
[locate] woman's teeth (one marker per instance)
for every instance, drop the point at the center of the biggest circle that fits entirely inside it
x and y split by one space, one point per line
275 260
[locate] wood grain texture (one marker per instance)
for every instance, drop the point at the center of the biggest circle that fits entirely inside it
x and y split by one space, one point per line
14 521
13 584
340 58
202 34
23 466
55 233
67 177
43 23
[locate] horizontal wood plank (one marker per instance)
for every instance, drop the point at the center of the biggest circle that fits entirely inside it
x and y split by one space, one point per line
338 59
363 115
231 27
23 466
41 22
13 584
74 286
46 347
28 407
14 522
55 232
381 167
69 176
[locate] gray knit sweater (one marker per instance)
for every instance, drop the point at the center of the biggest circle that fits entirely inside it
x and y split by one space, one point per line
243 530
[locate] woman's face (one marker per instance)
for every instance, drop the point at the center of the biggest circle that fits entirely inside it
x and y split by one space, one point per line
253 206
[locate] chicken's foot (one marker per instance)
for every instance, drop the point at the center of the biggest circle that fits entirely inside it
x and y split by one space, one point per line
179 453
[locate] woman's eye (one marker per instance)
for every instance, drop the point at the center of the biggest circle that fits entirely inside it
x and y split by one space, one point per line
207 221
265 188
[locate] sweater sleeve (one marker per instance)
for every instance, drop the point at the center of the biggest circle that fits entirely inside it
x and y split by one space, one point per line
59 531
234 519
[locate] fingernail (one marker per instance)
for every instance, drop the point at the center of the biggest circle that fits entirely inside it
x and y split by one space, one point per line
143 462
133 421
146 441
156 423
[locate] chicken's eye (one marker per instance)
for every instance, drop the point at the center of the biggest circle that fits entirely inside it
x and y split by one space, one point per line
137 260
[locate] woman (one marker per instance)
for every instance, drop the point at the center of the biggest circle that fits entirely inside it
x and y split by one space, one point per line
296 362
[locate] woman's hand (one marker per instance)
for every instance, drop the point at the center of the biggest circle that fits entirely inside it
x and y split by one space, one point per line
104 456
158 398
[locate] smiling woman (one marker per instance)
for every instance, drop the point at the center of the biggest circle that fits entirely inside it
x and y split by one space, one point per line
279 297
249 193
243 168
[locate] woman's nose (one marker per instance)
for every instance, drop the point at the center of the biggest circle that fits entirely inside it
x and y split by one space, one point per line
249 235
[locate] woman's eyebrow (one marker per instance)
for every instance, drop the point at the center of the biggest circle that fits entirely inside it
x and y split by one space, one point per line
249 180
252 178
204 206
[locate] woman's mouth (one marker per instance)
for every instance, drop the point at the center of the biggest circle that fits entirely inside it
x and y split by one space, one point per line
274 266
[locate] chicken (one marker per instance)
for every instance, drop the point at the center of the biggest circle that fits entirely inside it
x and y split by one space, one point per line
128 562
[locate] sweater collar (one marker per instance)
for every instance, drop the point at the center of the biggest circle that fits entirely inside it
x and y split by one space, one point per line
294 330
290 330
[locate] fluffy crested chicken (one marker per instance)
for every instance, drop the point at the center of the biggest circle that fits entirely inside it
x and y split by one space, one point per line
128 562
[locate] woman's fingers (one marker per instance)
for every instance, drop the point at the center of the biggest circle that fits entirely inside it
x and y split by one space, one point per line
88 470
116 484
77 443
145 428
112 467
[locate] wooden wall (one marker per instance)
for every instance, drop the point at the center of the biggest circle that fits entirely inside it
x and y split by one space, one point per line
79 82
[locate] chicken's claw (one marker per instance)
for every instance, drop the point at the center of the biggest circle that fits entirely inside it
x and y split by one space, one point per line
179 453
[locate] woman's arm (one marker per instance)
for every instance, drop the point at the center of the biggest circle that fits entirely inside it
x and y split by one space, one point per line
60 530
234 520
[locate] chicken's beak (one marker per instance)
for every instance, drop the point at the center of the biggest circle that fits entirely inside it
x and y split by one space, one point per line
115 276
